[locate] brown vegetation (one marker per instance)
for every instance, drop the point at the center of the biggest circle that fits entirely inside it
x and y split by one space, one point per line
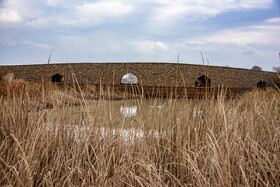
200 142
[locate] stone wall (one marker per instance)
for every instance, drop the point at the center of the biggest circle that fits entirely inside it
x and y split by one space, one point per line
148 74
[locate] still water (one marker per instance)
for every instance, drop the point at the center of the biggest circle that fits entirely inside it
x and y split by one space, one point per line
107 111
130 108
127 117
119 113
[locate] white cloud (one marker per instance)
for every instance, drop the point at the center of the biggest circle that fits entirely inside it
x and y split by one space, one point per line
53 2
266 32
143 24
6 41
274 20
38 45
10 16
239 47
97 13
254 3
148 46
9 12
158 12
115 8
193 9
73 13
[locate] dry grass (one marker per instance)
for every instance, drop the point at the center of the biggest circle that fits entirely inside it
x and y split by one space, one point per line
206 142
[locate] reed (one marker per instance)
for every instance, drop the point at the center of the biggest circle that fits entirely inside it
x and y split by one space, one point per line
199 142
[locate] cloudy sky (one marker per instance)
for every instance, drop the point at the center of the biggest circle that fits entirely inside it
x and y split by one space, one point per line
235 33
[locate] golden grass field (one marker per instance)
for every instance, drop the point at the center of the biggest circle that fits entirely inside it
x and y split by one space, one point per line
56 137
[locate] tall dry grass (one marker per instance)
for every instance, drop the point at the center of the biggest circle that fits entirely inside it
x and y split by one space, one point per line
198 142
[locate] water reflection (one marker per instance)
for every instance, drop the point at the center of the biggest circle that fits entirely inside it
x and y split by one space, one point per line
128 111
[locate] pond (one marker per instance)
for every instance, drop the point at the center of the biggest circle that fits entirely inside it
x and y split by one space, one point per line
125 114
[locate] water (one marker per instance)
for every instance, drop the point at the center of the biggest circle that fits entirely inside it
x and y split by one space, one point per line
128 111
127 118
150 114
131 108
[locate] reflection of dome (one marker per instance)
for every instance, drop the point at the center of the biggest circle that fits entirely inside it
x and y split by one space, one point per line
128 111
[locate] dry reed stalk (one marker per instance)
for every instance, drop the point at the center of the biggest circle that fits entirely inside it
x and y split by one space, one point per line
199 142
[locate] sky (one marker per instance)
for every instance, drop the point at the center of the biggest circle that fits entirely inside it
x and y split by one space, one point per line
233 33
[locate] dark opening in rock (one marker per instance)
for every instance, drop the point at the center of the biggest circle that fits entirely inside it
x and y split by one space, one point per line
203 81
57 78
261 84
